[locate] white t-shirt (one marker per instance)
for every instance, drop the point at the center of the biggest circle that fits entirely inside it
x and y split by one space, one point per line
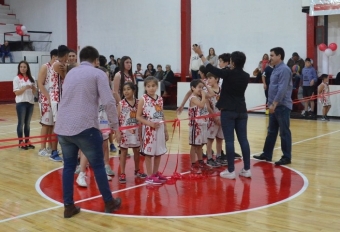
27 96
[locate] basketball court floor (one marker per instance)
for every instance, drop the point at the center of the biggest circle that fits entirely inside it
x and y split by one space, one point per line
303 196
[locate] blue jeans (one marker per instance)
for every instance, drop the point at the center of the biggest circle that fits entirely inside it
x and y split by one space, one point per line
232 121
279 120
90 142
24 113
194 74
7 54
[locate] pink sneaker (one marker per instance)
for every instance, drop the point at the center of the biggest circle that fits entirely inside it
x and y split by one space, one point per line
161 178
152 180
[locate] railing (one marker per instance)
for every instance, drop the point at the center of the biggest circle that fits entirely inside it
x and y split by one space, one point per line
28 45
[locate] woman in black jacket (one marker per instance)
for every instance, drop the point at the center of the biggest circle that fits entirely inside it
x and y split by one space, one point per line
232 103
150 71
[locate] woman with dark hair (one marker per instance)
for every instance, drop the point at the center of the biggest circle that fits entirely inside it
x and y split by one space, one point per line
212 58
150 71
24 89
124 75
232 103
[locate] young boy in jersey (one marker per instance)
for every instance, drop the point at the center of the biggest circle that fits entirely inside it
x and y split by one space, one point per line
154 131
214 124
198 106
46 119
127 111
323 92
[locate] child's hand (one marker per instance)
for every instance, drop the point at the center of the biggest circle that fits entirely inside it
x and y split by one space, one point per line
166 136
179 110
155 125
203 93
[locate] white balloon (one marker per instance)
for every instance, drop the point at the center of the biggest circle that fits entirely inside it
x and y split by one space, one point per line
24 29
333 53
328 52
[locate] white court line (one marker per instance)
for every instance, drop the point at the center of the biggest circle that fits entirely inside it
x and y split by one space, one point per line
306 183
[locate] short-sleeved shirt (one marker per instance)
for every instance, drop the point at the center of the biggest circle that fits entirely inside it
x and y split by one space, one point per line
18 83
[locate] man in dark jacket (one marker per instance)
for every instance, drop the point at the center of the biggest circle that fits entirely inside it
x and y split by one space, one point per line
5 51
168 79
296 59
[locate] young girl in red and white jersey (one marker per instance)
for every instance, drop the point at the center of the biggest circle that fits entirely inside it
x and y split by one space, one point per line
127 111
323 91
198 106
214 124
154 132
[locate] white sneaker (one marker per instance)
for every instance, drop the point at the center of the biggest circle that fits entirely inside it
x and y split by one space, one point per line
109 178
43 152
228 175
245 173
49 150
81 179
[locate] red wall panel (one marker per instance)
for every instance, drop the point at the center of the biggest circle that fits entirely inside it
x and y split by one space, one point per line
6 92
185 38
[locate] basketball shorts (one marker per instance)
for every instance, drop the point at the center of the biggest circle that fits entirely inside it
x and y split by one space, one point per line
325 101
130 138
215 131
47 114
153 141
198 134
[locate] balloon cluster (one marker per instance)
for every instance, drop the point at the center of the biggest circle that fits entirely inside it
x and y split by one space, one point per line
21 30
330 50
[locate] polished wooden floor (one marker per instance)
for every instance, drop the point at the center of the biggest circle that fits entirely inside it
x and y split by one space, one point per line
315 154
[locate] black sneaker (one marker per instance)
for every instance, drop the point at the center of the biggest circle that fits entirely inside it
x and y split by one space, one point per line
237 156
212 163
283 161
327 118
261 157
222 160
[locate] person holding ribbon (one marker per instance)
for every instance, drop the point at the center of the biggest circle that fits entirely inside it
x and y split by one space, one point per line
24 89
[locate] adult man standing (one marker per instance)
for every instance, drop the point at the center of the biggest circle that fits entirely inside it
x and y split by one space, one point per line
296 59
280 105
5 51
79 129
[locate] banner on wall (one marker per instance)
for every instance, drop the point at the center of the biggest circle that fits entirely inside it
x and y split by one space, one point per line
324 7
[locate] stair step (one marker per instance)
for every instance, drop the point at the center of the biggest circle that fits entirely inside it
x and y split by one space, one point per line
7 16
5 7
9 21
4 11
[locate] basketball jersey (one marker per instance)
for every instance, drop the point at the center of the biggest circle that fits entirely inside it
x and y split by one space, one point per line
325 89
128 113
42 97
55 83
196 111
153 108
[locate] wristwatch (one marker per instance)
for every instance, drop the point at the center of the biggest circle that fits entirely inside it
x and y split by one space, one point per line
200 56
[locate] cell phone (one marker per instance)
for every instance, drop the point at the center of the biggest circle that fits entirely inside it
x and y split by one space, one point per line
195 45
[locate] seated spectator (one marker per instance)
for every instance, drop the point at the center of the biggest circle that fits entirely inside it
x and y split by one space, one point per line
150 71
5 51
159 73
168 79
296 59
139 73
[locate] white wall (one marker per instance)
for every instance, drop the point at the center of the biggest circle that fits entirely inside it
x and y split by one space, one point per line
253 27
43 15
147 31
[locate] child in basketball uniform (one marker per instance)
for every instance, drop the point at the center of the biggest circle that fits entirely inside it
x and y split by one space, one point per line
214 123
198 106
323 91
154 132
127 111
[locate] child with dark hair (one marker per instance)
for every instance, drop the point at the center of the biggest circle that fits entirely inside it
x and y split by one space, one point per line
323 92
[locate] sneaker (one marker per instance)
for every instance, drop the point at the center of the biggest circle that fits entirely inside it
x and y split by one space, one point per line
228 175
43 152
161 178
237 156
122 178
49 150
112 148
222 160
140 174
323 118
112 205
77 171
204 156
109 171
195 168
55 157
261 157
109 178
152 180
212 163
245 173
30 146
22 147
81 180
203 166
283 161
327 118
303 113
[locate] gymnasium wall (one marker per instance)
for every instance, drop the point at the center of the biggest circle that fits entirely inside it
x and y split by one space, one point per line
42 15
147 31
253 27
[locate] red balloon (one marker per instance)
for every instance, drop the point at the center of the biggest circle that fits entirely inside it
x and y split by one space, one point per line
17 29
20 32
333 46
322 47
